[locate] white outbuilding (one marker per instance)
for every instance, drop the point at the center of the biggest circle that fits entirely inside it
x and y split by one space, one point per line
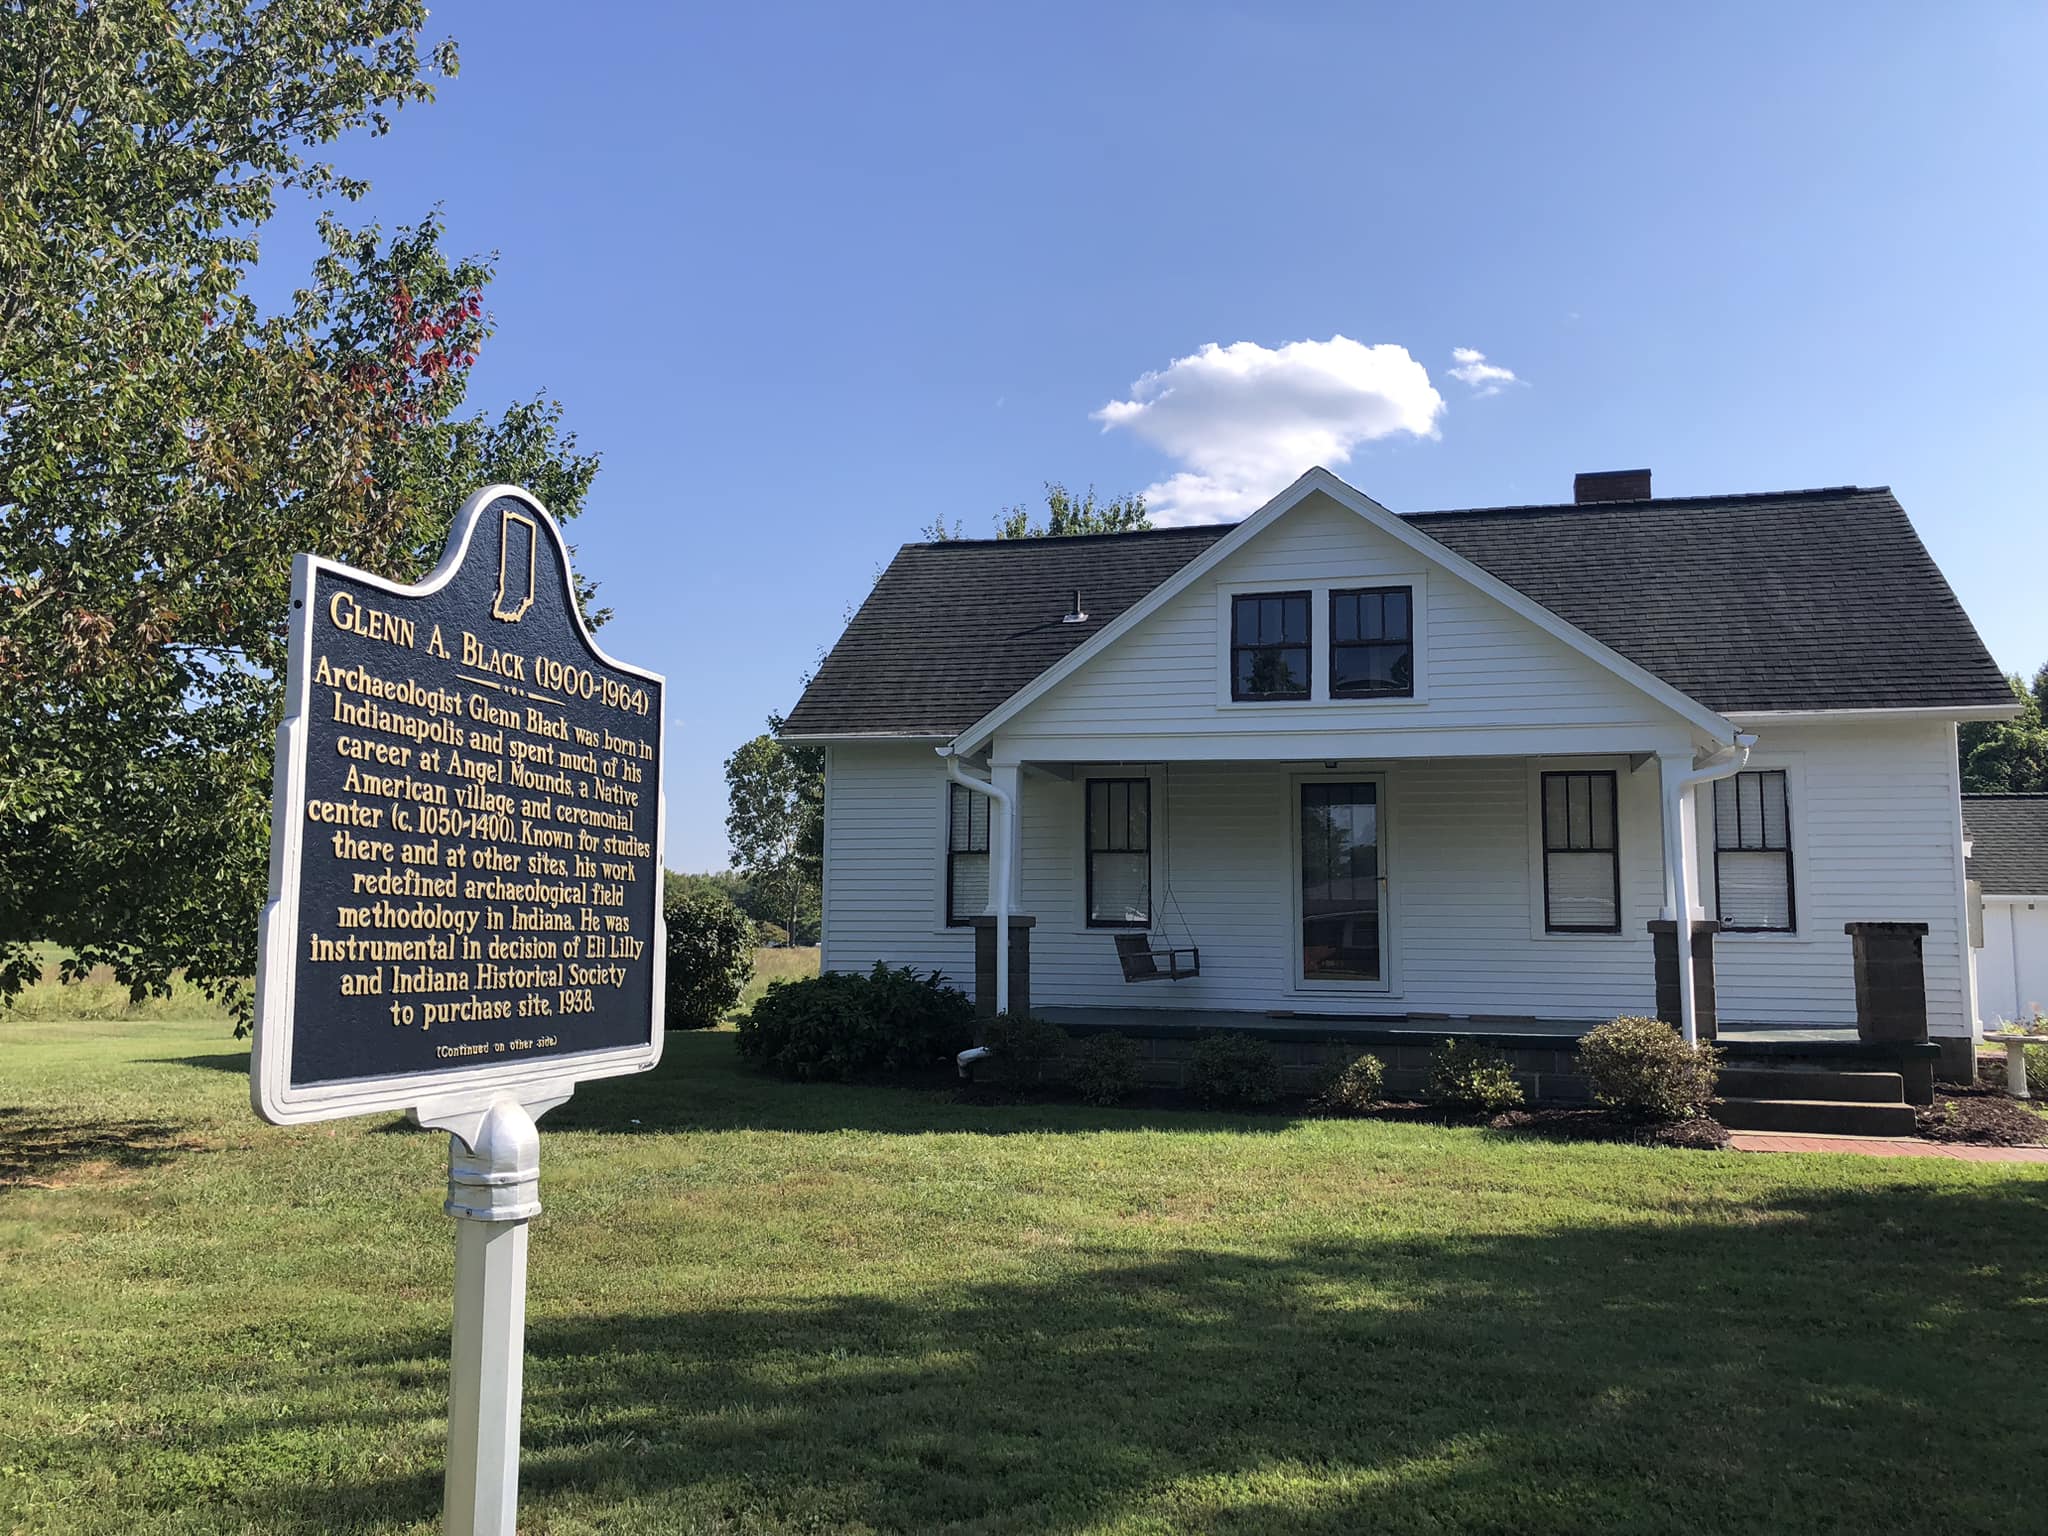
2009 866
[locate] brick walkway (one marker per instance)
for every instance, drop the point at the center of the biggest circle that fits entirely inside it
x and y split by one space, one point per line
1882 1146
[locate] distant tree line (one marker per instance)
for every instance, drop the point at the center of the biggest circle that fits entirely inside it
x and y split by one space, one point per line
1065 514
2009 757
762 902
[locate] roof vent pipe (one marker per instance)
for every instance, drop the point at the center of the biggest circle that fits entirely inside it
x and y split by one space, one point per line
1076 614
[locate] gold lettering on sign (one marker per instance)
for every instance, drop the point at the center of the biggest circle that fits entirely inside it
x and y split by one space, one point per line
371 623
478 826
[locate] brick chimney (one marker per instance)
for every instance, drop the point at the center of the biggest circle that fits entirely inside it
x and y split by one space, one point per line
1611 485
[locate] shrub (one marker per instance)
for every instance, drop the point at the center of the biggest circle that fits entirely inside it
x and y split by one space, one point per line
710 957
1234 1070
843 1025
1023 1041
1645 1066
1354 1087
1471 1076
1106 1069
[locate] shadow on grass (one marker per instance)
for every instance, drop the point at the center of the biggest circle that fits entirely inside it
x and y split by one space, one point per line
37 1148
236 1062
1847 1361
702 1085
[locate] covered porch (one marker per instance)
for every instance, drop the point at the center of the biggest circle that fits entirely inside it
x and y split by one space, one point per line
1437 892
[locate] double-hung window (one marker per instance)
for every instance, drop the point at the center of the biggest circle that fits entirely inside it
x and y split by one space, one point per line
966 855
1119 853
1753 852
1372 643
1269 645
1581 855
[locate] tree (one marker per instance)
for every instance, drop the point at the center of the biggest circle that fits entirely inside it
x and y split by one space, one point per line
775 816
1065 515
166 447
710 957
2005 757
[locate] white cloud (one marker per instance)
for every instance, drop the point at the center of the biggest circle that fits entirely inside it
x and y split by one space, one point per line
1247 419
1470 366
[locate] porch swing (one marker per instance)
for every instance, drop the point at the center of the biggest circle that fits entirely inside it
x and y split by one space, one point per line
1135 952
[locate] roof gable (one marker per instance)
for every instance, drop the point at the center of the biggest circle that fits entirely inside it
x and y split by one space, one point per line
1793 601
1402 533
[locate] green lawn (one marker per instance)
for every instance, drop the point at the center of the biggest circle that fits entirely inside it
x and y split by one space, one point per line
761 1308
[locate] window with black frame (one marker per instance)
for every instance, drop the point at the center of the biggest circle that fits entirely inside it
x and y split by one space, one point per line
1119 853
1581 854
1269 645
1753 852
1372 643
966 855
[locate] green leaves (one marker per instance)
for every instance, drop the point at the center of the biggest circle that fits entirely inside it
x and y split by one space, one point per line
1067 514
2006 757
166 448
775 817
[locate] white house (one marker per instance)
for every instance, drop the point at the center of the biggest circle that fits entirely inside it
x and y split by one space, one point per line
1442 766
2009 863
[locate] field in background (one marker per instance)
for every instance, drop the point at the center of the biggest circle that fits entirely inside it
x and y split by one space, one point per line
98 997
773 965
761 1308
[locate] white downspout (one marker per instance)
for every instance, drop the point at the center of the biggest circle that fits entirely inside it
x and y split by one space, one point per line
1678 899
998 881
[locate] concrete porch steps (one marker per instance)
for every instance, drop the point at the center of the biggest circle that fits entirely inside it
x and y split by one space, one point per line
1814 1100
1812 1083
1837 1117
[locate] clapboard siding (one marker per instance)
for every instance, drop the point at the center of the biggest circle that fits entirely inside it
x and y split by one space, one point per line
1479 664
885 864
1461 895
1459 891
1875 836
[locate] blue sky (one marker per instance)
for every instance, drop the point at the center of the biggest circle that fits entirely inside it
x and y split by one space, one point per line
811 276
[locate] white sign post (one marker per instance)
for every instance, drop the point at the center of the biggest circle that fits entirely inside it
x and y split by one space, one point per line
465 903
493 1192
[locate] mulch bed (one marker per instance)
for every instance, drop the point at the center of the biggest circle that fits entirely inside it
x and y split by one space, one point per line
1557 1124
1981 1116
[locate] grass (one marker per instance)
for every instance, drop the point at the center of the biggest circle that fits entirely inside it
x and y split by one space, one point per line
761 1308
773 965
99 996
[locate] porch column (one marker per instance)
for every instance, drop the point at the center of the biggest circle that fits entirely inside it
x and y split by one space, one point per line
1008 777
1681 845
1681 837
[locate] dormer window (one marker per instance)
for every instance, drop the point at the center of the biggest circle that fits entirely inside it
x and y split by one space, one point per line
1372 643
1269 645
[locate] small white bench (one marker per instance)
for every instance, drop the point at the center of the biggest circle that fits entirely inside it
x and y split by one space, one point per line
2016 1059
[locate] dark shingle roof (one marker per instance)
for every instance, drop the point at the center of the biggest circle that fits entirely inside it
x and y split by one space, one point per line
1790 600
952 629
2009 843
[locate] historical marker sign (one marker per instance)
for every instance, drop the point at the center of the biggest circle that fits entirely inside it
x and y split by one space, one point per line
465 882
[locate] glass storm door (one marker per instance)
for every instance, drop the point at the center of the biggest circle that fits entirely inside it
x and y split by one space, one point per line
1343 916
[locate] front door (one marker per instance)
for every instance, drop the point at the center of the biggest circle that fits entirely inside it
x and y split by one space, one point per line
1342 910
